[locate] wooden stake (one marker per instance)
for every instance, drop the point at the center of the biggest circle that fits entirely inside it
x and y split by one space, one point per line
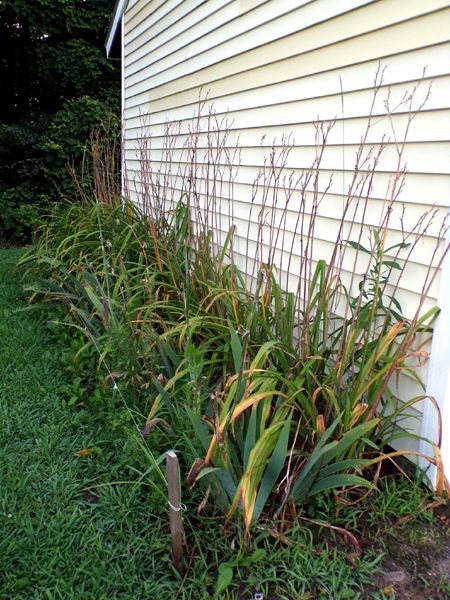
176 527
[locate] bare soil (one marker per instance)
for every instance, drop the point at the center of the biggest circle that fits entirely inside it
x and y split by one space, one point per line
417 561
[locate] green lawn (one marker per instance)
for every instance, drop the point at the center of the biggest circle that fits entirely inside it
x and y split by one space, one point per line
56 540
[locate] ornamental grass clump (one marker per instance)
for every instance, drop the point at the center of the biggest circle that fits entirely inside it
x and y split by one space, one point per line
271 367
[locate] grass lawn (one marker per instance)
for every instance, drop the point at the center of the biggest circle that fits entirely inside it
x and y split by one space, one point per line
57 540
70 529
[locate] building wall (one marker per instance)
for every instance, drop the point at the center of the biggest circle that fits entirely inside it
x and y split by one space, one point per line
271 69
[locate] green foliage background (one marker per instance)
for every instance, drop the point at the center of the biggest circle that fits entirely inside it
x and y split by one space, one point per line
57 85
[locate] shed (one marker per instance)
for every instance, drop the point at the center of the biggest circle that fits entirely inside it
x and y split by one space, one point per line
270 69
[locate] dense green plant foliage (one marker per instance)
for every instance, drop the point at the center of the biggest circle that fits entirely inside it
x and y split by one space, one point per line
56 87
245 408
271 396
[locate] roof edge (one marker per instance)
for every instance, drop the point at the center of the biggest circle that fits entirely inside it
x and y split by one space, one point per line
114 25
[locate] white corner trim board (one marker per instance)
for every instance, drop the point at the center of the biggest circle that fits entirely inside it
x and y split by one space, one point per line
438 384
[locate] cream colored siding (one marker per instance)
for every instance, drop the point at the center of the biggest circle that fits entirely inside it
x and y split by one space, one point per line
274 67
333 44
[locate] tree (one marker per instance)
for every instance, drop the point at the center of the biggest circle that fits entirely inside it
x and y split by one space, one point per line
56 86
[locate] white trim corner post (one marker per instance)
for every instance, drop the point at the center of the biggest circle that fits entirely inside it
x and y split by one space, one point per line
438 382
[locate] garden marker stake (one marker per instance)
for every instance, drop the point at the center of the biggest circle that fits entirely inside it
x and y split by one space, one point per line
176 528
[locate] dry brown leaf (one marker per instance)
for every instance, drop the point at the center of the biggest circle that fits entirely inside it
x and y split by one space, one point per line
150 424
346 534
198 464
83 452
201 506
389 591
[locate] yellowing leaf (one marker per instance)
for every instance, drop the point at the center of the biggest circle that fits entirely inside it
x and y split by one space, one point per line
389 591
83 452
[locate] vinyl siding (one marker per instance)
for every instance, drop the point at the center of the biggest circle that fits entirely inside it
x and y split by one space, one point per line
273 68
